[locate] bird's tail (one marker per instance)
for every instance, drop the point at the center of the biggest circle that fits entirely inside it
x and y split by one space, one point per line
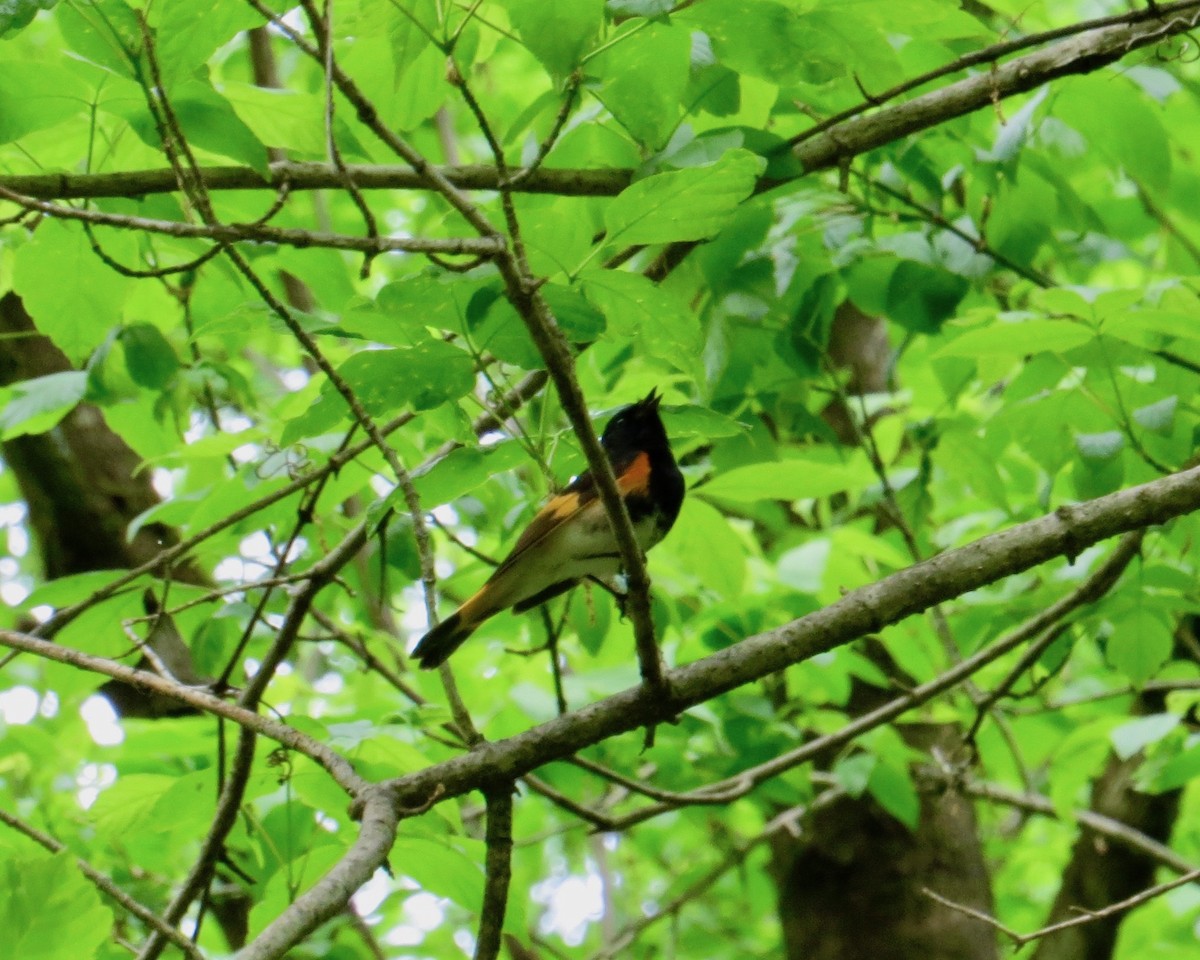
433 648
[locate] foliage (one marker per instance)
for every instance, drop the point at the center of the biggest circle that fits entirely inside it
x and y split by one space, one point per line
1035 265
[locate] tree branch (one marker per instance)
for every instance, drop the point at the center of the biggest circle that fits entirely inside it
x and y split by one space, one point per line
499 840
258 232
329 895
333 763
989 55
868 609
1082 54
318 176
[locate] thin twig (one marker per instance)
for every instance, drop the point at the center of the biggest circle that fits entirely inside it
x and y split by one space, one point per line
598 820
1086 916
1105 826
261 233
787 820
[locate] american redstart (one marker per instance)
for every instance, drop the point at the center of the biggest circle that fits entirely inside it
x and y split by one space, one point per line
571 539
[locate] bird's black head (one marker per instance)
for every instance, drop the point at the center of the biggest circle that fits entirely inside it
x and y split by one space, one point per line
636 427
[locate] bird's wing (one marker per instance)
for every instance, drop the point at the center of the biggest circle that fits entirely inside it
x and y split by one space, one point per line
633 478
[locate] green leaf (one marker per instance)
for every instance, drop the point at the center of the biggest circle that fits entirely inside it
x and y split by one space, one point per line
188 32
1134 736
709 548
637 309
699 422
853 773
208 121
1142 327
498 329
127 805
916 295
579 320
75 315
34 406
34 96
1177 771
639 8
1096 476
286 119
893 789
49 911
787 480
422 377
1119 120
64 591
921 298
756 37
1158 417
644 78
410 305
18 14
465 469
420 90
1140 644
689 204
1100 446
442 869
388 381
106 32
151 360
968 456
215 641
558 33
1004 339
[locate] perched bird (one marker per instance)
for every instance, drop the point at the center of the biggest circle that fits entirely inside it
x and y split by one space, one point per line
570 538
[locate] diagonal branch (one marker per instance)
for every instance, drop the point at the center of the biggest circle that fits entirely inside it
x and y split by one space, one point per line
334 764
991 54
1081 54
866 610
329 895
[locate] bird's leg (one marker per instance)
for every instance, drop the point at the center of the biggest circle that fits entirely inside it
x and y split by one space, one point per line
620 596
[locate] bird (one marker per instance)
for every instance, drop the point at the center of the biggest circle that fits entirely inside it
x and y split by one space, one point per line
571 538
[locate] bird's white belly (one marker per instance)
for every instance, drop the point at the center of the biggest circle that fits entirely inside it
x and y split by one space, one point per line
580 550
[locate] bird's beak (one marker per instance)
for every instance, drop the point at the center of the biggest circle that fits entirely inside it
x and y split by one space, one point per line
653 399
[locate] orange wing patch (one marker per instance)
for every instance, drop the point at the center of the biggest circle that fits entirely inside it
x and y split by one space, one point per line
558 508
557 511
635 478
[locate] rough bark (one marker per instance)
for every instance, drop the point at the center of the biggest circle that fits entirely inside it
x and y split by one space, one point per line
82 487
851 887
